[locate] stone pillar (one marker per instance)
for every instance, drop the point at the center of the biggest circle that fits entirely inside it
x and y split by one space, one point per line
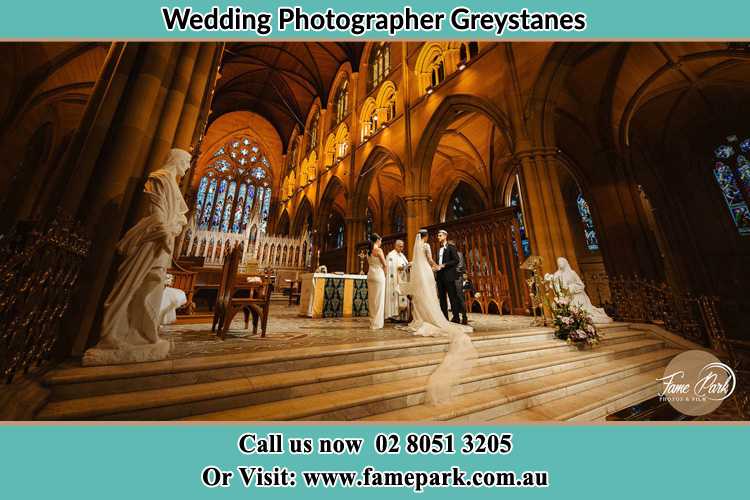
417 215
173 107
355 230
116 174
546 219
203 75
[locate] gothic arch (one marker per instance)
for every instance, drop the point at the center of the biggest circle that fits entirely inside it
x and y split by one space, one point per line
446 193
378 157
282 225
334 186
445 114
301 215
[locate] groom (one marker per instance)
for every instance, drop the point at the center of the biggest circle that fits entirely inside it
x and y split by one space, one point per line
447 259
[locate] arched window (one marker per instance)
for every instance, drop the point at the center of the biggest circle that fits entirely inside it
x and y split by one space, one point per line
341 103
464 201
312 142
592 242
386 104
437 71
380 64
369 223
291 159
467 52
732 174
515 201
369 119
265 210
228 188
398 224
335 231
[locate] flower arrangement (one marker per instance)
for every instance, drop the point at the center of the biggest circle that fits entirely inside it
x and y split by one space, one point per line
572 323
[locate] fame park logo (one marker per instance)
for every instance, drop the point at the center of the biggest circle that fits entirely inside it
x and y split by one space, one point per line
695 383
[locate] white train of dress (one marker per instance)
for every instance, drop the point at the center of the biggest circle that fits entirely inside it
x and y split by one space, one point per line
428 320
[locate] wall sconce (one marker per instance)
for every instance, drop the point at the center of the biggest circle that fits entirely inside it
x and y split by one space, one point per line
430 90
462 66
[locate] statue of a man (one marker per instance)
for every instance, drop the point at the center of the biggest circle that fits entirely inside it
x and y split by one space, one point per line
130 327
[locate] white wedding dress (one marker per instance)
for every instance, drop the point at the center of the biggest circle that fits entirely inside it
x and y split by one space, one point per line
376 293
430 321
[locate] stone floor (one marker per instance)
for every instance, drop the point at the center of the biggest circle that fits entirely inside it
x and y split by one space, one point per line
288 330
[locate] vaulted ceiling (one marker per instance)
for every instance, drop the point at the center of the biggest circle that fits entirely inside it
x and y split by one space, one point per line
280 80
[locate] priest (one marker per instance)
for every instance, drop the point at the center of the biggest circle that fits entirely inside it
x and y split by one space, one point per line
396 304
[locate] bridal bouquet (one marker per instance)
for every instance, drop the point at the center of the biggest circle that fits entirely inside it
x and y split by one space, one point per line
572 323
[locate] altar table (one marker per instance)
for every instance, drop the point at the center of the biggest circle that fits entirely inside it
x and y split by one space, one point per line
328 295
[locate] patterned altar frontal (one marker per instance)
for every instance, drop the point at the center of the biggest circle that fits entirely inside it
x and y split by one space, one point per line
333 295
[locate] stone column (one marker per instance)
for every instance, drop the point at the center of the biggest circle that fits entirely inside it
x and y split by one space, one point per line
355 230
546 220
203 75
417 215
116 176
173 107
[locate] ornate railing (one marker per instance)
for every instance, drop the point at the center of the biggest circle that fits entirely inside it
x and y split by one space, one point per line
39 269
694 317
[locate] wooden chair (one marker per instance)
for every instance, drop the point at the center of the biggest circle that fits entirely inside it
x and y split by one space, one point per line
295 292
185 281
257 303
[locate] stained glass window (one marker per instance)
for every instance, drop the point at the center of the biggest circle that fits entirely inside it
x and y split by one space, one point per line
237 218
463 202
209 205
342 101
200 198
224 199
732 173
219 207
398 225
229 203
592 242
369 224
312 143
222 166
266 209
248 207
515 201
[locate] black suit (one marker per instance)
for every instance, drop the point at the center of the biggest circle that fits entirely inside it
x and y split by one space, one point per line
446 281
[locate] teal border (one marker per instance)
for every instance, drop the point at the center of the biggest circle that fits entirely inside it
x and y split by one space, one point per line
607 19
164 461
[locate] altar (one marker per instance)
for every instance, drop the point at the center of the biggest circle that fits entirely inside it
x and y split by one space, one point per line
330 295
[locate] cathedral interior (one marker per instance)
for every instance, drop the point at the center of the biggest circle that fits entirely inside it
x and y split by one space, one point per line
631 160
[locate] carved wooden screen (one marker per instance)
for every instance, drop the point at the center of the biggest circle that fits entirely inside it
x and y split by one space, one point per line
487 240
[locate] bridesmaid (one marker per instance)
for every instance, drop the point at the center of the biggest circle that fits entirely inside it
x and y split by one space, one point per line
376 283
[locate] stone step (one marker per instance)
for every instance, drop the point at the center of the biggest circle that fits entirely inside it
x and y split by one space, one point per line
180 401
489 404
594 404
76 383
79 375
366 401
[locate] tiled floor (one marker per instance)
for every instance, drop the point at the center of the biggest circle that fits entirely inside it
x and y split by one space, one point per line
287 330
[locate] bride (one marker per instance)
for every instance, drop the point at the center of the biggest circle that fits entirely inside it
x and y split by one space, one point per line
430 321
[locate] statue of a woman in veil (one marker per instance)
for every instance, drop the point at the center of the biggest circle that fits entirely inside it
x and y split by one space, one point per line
130 327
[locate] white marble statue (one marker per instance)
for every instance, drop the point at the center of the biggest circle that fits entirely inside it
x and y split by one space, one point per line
132 312
397 265
570 280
